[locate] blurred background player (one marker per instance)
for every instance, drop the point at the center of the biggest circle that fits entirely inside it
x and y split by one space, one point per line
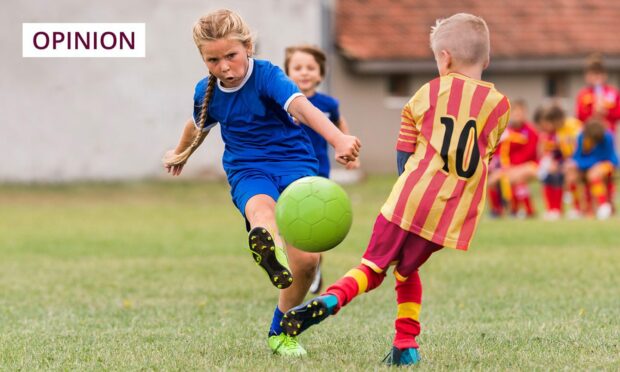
306 66
514 164
558 138
264 152
598 98
449 130
593 164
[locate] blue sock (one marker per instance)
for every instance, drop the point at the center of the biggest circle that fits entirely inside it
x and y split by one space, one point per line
275 322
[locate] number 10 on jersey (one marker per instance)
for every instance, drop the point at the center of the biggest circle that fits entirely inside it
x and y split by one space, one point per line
461 148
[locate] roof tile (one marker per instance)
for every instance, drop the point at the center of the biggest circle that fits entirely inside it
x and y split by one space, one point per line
399 29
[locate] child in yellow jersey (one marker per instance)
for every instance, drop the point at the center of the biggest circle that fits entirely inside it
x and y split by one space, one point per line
449 130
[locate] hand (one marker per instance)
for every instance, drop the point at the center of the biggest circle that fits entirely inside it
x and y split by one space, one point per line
600 109
355 164
346 148
174 169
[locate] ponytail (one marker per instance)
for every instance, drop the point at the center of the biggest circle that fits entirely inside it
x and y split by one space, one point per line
200 135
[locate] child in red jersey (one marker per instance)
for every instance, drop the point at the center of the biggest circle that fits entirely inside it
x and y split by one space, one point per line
449 130
514 164
558 138
598 99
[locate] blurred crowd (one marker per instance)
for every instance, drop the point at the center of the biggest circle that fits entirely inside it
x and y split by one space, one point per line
573 157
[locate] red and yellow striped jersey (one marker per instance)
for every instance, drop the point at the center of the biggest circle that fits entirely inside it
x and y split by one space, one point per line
453 125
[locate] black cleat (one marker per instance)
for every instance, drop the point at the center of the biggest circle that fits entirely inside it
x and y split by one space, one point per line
270 257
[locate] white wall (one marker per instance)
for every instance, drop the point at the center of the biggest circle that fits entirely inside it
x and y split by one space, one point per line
81 119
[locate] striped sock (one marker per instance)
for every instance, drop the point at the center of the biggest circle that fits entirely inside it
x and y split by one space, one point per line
357 281
409 299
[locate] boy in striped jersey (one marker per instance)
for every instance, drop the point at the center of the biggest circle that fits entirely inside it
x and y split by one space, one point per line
449 130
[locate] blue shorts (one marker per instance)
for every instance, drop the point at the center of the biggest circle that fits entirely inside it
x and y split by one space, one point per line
248 183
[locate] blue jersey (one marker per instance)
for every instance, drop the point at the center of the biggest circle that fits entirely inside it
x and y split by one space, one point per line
604 151
329 106
257 131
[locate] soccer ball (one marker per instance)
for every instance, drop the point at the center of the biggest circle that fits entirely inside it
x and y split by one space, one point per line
314 214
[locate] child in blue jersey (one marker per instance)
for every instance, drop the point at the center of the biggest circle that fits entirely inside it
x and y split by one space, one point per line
305 65
264 149
594 163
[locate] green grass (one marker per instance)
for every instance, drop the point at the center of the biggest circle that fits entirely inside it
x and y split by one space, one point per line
156 276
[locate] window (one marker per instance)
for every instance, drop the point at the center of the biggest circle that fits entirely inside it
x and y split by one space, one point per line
556 85
399 85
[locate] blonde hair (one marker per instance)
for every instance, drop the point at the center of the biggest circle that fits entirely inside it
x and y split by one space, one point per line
464 35
220 24
315 52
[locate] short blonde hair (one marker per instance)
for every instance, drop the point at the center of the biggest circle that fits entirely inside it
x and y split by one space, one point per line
464 35
222 24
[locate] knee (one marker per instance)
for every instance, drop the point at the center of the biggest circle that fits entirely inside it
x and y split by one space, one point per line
259 215
307 264
592 175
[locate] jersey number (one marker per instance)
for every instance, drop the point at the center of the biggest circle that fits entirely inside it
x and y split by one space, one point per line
461 147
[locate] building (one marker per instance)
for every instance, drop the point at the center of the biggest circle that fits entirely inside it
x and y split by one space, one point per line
538 48
107 119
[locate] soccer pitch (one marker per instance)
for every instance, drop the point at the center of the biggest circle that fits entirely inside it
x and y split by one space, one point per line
157 276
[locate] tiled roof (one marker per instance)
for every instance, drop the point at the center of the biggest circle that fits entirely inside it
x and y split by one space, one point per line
399 29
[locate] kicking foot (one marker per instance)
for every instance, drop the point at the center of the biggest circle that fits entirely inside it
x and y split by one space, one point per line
286 345
270 257
301 317
404 357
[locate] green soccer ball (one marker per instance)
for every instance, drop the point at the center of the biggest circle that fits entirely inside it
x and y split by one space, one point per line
314 214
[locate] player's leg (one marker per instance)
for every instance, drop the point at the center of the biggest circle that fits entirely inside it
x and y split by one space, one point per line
415 251
317 282
264 240
519 176
597 176
572 180
303 265
356 281
382 249
495 196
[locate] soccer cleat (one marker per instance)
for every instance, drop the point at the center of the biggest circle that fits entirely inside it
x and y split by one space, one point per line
301 317
270 257
317 283
404 357
286 345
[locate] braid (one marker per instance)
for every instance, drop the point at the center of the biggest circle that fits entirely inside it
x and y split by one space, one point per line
200 135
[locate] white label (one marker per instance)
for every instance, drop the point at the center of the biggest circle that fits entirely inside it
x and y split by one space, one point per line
99 40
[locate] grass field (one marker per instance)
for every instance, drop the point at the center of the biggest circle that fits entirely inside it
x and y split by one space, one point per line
156 276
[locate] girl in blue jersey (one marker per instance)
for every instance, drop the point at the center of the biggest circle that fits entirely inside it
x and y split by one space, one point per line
264 149
305 65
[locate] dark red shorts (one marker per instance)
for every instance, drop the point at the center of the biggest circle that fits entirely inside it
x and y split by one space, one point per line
389 244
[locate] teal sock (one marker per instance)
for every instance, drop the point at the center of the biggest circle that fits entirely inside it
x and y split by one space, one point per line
331 301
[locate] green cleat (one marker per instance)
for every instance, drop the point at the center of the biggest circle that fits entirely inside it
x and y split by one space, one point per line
286 346
270 257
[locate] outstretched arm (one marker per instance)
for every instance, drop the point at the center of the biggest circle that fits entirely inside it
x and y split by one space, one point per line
343 125
345 146
187 137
